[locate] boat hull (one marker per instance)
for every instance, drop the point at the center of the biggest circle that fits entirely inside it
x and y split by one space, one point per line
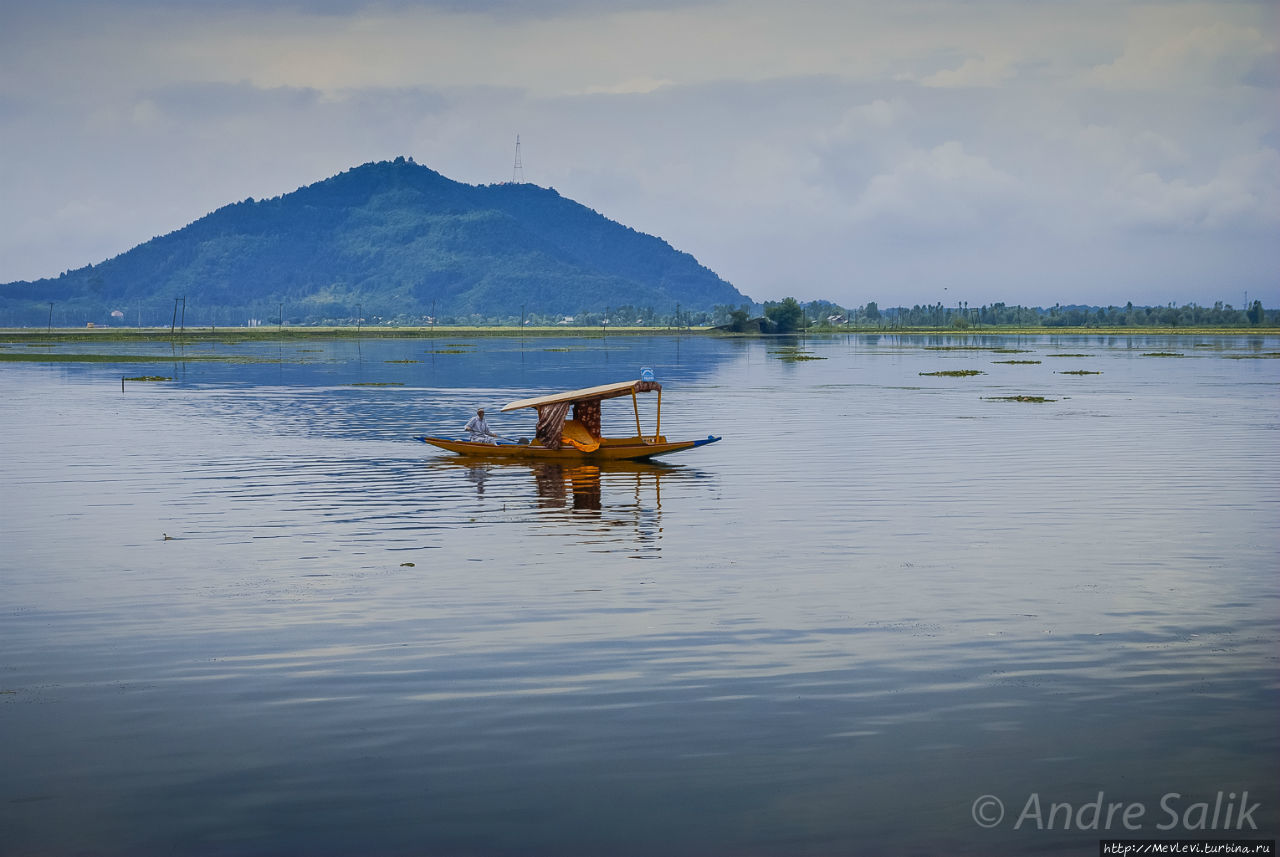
612 449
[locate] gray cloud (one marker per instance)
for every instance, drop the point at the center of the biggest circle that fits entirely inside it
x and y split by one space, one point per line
1020 152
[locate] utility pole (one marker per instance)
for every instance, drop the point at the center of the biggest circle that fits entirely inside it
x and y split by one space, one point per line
50 330
358 314
183 324
280 318
517 170
173 322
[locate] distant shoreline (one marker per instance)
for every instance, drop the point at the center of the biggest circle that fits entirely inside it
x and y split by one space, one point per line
297 333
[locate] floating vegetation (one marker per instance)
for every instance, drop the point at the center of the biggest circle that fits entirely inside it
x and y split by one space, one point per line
953 373
1078 372
401 361
557 349
1163 354
127 358
793 354
1011 350
440 351
1266 355
376 384
1068 355
149 378
1017 362
1018 399
407 565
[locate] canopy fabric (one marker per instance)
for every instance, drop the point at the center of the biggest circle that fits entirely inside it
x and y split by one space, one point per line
551 424
604 391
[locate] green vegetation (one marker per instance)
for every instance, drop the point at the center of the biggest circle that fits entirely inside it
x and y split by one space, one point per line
1018 362
149 378
64 357
786 315
1162 354
67 357
384 242
954 373
1018 399
791 354
1266 355
458 351
1078 372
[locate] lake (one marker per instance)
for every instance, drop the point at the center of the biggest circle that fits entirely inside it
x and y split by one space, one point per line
242 612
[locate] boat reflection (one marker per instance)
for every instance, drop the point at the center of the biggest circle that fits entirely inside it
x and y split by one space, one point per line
622 499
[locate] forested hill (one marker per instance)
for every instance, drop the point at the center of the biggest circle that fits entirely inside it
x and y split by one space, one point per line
390 239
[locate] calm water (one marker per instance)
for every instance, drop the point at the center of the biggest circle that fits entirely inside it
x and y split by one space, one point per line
881 597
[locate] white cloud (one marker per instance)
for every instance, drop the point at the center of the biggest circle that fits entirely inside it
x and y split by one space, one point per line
976 71
1170 48
943 191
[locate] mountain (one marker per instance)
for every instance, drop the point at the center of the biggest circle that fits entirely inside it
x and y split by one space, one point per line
389 239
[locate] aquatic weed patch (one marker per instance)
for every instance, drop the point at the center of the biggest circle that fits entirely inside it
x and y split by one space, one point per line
122 358
953 373
1036 399
794 355
1018 362
1078 372
1266 355
401 361
1163 354
149 378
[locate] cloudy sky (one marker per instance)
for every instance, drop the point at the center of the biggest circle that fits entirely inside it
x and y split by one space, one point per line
1030 152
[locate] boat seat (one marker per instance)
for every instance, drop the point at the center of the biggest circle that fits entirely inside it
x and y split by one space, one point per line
576 434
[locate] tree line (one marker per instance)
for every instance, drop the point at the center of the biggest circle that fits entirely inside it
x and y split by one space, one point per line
789 315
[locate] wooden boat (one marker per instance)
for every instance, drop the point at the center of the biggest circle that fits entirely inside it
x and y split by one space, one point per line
561 438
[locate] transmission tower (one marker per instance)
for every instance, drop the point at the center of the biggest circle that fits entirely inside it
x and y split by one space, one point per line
517 171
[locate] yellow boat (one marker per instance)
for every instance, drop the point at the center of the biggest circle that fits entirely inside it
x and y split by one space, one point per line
560 437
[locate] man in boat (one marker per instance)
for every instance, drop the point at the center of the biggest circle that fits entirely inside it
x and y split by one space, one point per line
478 430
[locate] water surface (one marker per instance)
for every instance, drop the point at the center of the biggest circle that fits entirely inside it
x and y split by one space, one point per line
244 613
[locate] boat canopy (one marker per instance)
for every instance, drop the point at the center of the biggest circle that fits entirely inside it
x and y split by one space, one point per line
587 394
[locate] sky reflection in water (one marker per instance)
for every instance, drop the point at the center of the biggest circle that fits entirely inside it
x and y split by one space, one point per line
880 597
